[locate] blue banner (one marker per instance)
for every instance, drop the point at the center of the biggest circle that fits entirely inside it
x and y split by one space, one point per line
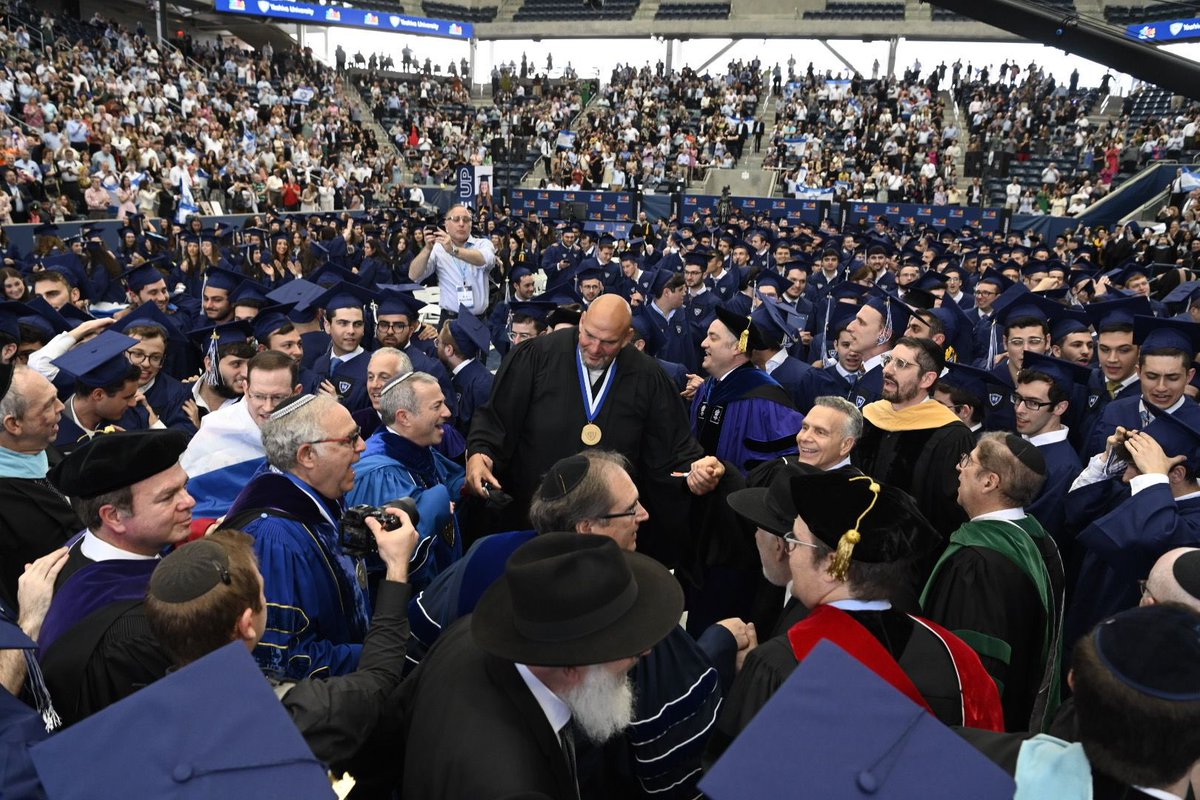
810 211
1171 30
315 14
601 206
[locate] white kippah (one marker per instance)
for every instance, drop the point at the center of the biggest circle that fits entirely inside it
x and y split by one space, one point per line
394 382
288 406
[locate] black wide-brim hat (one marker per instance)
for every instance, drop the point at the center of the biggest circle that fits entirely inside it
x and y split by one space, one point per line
771 507
574 599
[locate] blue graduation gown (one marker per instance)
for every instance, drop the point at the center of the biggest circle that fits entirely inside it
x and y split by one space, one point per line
498 325
676 372
868 388
818 383
350 378
316 606
392 467
70 436
1088 416
167 397
472 387
1126 412
315 343
791 376
1050 507
727 286
745 418
999 413
819 285
671 340
1120 547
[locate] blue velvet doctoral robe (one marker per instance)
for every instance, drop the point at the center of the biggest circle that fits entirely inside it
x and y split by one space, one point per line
391 468
745 418
316 603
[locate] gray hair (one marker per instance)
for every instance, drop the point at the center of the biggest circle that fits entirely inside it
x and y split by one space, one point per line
854 418
283 436
589 499
15 404
402 395
405 361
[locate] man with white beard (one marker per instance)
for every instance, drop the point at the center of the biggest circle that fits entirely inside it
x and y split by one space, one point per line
496 708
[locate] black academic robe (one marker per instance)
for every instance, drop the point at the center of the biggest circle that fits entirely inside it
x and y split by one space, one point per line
922 655
34 520
473 729
536 414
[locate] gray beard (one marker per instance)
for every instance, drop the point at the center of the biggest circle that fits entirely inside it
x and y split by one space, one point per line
602 705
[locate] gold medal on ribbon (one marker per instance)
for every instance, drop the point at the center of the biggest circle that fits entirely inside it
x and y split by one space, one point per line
590 435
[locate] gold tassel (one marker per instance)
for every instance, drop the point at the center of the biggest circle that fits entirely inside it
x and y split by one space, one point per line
951 355
744 340
845 549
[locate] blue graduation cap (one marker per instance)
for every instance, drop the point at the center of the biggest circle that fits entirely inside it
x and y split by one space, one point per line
54 321
148 314
537 310
1067 320
331 274
249 291
224 279
1067 374
140 277
517 274
840 316
472 336
976 382
773 325
233 332
593 274
929 281
345 295
656 280
300 292
1153 333
270 319
1117 312
46 229
211 729
1174 436
960 333
99 361
893 310
1019 303
1186 292
996 278
861 738
396 302
769 277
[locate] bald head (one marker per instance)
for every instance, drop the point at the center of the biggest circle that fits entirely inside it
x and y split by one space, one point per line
1175 578
604 329
609 312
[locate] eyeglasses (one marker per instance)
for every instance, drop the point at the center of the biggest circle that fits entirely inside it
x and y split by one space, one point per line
458 219
899 362
349 441
138 357
516 337
632 512
1030 403
390 326
1144 589
271 399
790 543
985 293
965 461
1033 341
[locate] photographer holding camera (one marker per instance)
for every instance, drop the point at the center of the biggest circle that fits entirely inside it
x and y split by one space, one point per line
209 593
316 591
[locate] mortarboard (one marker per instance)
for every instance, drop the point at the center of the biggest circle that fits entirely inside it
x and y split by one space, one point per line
960 333
224 279
863 737
99 361
1117 312
1067 374
248 292
974 381
233 332
213 728
517 274
392 301
299 292
929 281
1153 333
738 325
1067 320
1186 292
656 280
537 310
1174 436
769 277
345 295
840 315
46 229
996 278
773 325
270 319
470 334
140 277
893 310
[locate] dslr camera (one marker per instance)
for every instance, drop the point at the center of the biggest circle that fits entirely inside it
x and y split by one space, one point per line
356 538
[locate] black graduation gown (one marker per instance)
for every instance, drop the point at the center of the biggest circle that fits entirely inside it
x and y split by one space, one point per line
34 520
474 730
921 654
535 416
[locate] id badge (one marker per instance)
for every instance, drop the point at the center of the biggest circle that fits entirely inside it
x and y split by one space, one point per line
465 297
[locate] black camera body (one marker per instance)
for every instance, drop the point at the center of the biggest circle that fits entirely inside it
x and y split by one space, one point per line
356 538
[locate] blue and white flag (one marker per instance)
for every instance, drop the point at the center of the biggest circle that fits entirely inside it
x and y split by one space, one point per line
221 458
565 141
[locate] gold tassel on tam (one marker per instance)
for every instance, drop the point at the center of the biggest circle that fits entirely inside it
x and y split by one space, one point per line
744 340
840 565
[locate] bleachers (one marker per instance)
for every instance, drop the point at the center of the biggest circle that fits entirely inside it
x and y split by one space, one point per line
946 15
693 11
1151 103
1130 15
463 13
837 9
572 10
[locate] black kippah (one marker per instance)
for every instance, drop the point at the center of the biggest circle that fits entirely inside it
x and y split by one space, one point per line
6 373
1154 650
1187 572
563 477
1026 452
190 572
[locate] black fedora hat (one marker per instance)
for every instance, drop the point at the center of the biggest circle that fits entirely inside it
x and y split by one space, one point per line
572 599
771 507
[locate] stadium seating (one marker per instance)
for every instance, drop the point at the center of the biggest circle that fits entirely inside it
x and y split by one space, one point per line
836 10
1131 15
693 11
571 10
463 13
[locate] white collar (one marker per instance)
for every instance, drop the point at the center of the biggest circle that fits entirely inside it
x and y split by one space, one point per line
352 354
149 385
774 361
1006 514
1161 794
97 549
873 362
1174 406
845 462
723 377
457 369
1049 437
558 713
698 291
861 605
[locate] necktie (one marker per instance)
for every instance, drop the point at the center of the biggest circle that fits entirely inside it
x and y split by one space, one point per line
566 738
334 363
1113 387
1145 415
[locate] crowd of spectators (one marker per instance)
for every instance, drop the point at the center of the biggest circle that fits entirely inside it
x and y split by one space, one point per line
100 122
